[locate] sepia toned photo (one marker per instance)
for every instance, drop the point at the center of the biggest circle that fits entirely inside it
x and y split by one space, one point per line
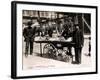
53 39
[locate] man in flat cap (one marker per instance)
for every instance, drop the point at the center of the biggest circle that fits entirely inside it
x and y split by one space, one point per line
28 34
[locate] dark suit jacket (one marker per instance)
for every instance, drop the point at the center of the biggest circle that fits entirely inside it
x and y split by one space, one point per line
78 38
29 33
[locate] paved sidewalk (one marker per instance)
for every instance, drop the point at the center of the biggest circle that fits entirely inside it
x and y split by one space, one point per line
36 62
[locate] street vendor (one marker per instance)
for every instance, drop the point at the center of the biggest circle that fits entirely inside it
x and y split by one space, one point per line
67 32
78 39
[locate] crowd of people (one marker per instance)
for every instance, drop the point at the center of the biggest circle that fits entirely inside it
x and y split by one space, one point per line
69 29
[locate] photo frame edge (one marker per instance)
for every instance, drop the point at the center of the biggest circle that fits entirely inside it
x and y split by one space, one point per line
14 40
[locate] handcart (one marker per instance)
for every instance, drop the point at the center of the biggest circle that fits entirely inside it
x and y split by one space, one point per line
55 47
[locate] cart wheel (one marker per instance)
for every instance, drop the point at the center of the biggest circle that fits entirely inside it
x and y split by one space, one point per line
49 50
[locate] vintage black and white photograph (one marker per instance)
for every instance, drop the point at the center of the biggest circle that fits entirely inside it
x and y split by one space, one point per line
51 39
55 39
